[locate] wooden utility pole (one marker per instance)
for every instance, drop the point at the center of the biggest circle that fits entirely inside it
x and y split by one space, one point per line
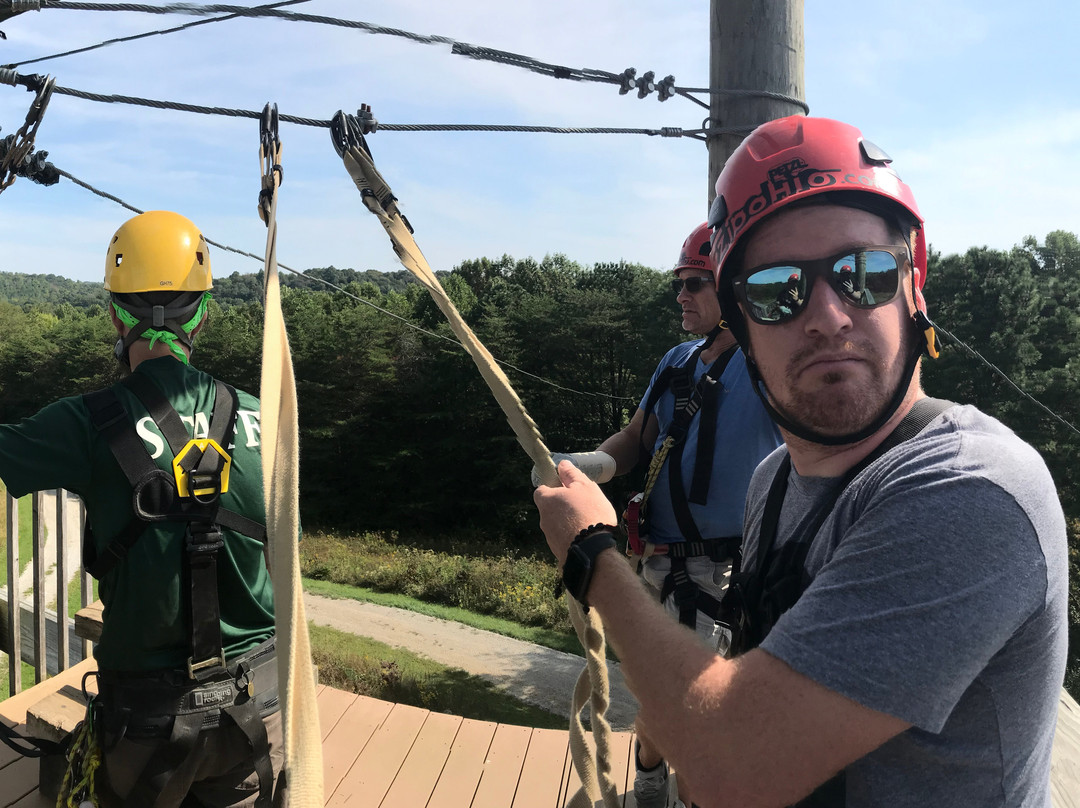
754 45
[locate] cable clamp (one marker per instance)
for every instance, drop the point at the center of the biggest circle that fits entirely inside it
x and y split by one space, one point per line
368 124
645 84
671 131
13 7
627 81
666 88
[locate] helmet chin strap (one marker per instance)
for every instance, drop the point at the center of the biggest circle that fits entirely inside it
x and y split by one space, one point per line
789 424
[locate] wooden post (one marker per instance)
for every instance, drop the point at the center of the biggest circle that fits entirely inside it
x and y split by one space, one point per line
754 45
87 580
14 626
41 657
63 567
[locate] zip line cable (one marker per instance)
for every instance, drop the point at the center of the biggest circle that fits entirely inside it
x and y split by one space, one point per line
626 81
349 294
133 37
10 77
1010 382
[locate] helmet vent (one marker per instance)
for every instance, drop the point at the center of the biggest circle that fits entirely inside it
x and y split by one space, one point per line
717 211
199 257
874 154
119 259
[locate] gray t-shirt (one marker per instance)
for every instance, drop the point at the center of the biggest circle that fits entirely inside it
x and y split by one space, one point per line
938 595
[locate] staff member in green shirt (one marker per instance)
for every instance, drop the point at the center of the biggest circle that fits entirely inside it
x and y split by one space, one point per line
168 464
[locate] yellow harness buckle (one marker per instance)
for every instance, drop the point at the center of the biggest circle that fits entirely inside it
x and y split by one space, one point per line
192 483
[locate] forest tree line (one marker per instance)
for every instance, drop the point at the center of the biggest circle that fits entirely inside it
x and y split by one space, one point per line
398 431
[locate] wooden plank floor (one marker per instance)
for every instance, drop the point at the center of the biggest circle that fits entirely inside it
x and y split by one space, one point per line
382 755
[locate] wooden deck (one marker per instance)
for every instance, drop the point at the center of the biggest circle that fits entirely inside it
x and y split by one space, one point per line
382 755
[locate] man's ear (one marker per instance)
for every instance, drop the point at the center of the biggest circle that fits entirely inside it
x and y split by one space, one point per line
121 329
198 328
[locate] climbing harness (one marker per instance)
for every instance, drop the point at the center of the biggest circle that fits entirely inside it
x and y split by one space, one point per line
176 705
347 133
690 398
757 597
303 770
20 145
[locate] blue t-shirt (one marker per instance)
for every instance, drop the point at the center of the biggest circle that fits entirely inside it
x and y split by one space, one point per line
744 436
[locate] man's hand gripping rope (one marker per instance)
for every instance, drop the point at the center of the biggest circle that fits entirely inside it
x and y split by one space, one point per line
348 132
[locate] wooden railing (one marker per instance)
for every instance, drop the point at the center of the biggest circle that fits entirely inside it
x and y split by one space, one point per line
32 631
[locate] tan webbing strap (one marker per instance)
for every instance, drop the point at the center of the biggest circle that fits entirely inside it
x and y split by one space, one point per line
280 466
595 776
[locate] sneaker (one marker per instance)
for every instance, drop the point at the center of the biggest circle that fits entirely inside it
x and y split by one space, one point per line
651 785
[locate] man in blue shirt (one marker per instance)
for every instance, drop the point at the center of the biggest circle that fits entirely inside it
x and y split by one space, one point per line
705 431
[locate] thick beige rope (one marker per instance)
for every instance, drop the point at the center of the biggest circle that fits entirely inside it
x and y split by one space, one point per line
596 780
281 475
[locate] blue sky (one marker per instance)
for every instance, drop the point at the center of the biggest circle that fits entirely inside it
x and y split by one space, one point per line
977 101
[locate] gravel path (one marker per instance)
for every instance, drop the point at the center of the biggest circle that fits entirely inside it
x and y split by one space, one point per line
532 673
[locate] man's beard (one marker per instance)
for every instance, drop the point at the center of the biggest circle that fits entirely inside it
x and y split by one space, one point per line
840 403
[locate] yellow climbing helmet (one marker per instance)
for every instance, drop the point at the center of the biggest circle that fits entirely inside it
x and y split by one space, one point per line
158 251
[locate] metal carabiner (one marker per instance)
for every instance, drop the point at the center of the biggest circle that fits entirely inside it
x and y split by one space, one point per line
23 143
270 157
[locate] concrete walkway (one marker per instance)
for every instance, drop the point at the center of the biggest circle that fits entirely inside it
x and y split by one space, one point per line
535 674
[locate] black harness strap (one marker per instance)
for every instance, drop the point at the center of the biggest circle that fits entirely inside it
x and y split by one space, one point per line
246 717
690 398
708 387
32 747
154 492
203 539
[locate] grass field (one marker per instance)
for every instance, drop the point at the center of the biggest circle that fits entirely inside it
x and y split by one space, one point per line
359 665
480 578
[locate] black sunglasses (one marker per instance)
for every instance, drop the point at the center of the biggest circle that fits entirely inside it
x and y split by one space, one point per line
863 277
693 285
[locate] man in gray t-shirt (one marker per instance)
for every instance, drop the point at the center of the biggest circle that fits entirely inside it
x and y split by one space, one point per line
938 595
900 614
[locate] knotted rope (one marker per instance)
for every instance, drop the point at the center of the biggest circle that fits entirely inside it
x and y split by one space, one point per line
592 684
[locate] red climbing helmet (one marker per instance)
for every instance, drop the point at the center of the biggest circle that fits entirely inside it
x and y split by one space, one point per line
792 158
696 251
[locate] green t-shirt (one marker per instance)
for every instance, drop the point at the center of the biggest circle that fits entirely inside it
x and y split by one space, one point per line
146 615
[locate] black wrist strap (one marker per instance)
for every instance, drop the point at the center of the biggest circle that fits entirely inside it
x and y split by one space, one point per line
581 563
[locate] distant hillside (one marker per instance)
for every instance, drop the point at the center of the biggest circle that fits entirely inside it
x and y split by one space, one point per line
18 288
